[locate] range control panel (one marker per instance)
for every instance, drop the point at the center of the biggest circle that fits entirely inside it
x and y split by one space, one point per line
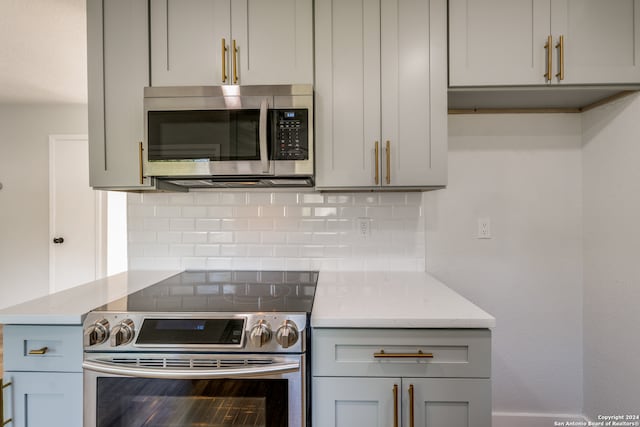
290 130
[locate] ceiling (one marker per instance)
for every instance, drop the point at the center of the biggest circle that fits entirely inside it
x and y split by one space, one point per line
43 51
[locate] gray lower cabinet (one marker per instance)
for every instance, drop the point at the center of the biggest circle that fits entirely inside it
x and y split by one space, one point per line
43 365
401 377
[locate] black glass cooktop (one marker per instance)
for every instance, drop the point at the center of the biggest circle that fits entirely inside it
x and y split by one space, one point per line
224 291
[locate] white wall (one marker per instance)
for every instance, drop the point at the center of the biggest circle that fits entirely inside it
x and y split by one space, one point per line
24 198
611 157
276 230
524 173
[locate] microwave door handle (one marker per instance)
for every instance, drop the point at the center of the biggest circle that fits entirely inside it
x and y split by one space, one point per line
264 155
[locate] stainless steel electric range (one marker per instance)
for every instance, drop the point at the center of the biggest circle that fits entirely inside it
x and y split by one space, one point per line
202 348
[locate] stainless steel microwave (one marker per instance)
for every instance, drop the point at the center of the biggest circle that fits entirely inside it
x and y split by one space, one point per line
230 136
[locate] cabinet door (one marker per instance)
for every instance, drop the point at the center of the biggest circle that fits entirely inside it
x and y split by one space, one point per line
498 42
414 94
186 42
118 71
347 92
601 40
450 402
48 399
348 402
274 39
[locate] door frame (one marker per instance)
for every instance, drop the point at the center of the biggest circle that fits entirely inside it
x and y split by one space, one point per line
101 213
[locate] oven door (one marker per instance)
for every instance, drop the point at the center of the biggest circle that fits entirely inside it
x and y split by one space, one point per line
185 390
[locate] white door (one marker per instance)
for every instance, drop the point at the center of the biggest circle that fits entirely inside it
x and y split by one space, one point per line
74 231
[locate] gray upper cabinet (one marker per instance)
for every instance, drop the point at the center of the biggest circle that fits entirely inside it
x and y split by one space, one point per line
215 42
118 70
541 42
380 94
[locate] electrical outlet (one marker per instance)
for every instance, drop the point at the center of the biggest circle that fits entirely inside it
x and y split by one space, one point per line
364 227
484 228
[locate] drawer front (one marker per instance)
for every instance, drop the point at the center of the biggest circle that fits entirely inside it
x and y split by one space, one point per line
63 348
402 352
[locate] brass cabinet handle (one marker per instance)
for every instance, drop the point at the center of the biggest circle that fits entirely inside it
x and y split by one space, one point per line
548 46
560 47
395 405
418 355
388 162
411 415
2 387
235 63
224 61
377 155
141 149
42 350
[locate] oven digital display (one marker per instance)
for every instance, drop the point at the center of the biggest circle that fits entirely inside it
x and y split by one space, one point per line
191 332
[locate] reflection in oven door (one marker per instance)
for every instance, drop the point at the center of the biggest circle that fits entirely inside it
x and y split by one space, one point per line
172 397
174 403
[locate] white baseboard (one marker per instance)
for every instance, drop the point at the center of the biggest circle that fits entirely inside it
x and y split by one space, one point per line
534 419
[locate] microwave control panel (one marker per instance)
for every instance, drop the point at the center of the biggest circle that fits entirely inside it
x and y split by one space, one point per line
290 131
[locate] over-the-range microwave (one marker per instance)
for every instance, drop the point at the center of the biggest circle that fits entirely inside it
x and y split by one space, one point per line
229 136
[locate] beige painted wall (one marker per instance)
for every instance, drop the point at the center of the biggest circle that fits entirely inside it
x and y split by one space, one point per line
524 173
611 156
24 198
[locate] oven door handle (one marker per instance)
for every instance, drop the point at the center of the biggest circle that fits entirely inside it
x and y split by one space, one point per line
194 373
264 155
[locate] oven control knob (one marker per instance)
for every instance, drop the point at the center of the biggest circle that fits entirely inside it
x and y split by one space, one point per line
122 333
96 333
287 334
260 333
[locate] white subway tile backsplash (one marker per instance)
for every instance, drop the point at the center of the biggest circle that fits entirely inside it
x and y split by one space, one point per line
246 211
208 224
233 198
261 224
297 211
195 237
312 198
323 212
169 236
235 224
194 212
220 212
272 237
257 199
182 224
283 229
168 211
181 250
221 237
208 250
284 198
247 237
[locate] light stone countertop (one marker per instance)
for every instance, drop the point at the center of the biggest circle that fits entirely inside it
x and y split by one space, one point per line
69 307
343 300
392 300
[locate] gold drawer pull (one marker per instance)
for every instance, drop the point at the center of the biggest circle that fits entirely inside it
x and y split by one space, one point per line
2 387
418 355
395 405
42 350
549 47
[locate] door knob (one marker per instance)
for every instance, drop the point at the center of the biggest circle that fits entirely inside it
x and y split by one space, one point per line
58 240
